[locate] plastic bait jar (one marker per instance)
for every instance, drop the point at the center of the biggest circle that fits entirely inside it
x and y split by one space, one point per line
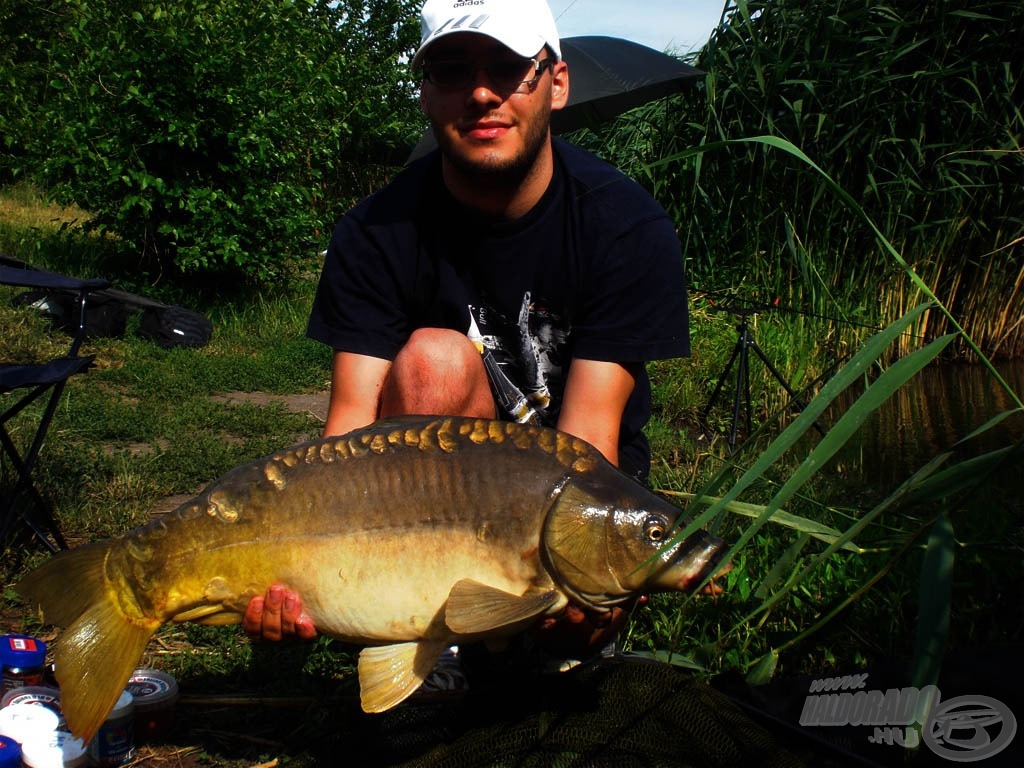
35 694
155 694
10 753
23 661
22 722
114 742
60 750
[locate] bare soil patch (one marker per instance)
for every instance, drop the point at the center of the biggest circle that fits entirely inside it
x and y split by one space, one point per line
314 403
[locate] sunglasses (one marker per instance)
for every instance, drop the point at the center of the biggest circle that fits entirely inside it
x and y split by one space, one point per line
506 74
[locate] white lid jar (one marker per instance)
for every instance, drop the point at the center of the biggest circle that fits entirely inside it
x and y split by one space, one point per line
22 722
114 742
59 750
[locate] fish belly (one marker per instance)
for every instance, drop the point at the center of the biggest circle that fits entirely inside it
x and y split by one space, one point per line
396 590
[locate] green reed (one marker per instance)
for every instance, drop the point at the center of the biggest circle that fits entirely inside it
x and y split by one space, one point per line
814 565
921 129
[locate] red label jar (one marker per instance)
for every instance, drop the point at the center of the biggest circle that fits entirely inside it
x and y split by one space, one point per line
23 661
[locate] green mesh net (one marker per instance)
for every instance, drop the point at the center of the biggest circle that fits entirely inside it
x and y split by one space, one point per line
611 714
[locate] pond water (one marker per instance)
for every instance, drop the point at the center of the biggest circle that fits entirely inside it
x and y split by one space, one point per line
940 406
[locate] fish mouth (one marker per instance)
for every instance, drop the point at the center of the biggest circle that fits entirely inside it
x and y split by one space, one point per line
704 554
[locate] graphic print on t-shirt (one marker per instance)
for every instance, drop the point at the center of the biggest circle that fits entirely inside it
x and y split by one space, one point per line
524 358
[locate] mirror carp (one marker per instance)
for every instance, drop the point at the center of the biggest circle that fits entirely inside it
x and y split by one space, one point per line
405 536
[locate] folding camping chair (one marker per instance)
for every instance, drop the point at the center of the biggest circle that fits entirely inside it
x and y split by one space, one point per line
24 503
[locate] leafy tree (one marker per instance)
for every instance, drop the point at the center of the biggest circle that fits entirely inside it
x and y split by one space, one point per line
26 29
218 135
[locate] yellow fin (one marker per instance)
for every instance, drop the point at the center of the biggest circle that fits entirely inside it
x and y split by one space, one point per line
95 655
474 608
53 586
389 674
210 615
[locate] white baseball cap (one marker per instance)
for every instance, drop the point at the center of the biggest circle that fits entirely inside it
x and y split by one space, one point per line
525 26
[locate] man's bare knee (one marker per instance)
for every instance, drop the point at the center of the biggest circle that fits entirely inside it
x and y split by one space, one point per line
439 351
438 371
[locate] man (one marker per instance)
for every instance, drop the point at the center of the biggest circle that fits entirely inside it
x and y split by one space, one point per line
508 275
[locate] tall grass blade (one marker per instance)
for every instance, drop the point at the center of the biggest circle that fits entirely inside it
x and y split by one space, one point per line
960 477
897 496
893 378
876 394
858 366
763 669
934 608
803 525
920 284
994 421
905 493
781 567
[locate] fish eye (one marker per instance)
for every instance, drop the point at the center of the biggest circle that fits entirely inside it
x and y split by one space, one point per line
655 529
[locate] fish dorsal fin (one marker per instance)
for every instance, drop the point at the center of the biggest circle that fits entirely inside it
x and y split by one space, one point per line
474 607
389 674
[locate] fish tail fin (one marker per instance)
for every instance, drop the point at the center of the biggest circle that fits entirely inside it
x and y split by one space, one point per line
97 651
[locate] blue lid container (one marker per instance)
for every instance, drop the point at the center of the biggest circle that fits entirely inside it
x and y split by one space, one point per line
10 753
22 651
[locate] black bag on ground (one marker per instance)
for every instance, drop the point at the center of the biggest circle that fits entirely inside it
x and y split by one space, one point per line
105 316
107 311
173 327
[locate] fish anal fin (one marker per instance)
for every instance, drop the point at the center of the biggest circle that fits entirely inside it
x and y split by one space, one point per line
210 615
389 674
220 619
475 608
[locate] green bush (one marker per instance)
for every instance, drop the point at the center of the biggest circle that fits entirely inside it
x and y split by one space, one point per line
210 136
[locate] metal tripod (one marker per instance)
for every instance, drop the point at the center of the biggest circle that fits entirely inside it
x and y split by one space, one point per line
740 351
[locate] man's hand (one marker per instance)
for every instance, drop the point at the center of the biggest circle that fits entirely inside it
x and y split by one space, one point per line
276 615
580 634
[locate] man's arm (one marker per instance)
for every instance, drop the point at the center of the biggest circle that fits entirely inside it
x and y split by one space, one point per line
356 382
595 398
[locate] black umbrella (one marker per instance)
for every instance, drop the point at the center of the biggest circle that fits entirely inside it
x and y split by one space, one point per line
607 76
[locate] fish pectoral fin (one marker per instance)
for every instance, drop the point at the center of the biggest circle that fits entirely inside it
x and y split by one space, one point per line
474 607
389 674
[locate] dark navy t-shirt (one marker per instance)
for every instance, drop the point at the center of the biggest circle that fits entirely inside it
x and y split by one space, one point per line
593 271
